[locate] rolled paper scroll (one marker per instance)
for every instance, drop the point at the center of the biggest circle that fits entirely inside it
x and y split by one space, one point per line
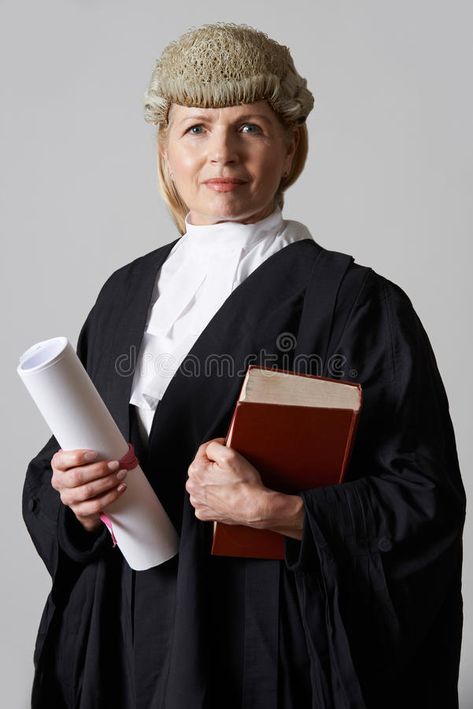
78 418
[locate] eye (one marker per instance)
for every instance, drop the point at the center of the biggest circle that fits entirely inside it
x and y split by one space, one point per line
253 125
192 127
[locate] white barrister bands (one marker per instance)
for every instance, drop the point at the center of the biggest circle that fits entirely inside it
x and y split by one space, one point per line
78 418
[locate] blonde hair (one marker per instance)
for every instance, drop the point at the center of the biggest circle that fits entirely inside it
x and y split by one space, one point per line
225 64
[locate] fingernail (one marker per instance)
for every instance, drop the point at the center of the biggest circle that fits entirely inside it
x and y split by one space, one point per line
113 465
121 474
91 455
121 487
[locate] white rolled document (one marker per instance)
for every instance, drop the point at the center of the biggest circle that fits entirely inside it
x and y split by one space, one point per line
78 418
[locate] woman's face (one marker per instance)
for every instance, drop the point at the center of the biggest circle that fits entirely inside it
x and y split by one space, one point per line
245 142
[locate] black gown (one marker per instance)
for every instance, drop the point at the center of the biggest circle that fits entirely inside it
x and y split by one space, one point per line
364 613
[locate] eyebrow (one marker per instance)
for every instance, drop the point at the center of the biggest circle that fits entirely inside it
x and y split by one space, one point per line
205 117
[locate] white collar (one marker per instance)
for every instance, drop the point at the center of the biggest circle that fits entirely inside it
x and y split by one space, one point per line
229 235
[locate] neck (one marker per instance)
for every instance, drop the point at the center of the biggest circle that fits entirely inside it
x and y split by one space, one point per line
228 233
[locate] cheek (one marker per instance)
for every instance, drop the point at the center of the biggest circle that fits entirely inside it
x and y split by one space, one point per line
266 174
183 169
184 164
267 163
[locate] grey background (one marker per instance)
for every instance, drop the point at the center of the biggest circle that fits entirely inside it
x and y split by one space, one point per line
388 180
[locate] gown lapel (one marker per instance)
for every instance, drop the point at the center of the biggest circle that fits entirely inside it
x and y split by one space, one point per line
126 329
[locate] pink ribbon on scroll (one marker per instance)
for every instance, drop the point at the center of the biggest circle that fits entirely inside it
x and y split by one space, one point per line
127 462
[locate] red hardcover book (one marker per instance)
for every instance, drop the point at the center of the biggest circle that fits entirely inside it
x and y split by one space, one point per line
298 432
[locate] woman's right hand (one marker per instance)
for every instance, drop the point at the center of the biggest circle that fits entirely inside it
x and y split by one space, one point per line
86 487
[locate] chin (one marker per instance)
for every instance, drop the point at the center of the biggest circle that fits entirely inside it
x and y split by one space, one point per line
218 212
224 206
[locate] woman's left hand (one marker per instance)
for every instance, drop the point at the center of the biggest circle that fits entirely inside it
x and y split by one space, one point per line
224 487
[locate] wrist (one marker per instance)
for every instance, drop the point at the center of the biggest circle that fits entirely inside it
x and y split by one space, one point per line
280 513
88 524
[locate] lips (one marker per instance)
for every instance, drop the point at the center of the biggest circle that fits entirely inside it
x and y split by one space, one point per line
225 181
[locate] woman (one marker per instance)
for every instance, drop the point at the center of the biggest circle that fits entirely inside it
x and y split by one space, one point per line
365 611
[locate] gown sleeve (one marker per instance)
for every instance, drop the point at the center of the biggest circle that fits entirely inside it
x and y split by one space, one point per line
51 524
385 546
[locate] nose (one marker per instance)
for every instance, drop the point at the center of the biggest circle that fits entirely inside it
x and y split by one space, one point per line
223 147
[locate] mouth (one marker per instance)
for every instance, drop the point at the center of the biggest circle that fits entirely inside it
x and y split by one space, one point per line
225 181
219 184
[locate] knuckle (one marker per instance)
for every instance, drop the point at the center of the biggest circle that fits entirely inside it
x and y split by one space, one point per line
88 491
95 506
76 477
64 497
229 455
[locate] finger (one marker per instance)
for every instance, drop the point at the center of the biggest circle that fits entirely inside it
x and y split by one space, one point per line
204 513
198 469
98 504
72 496
218 452
196 501
64 459
201 451
75 477
200 455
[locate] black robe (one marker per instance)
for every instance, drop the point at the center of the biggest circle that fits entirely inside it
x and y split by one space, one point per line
364 613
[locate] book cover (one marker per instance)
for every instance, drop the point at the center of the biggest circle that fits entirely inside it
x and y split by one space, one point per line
294 447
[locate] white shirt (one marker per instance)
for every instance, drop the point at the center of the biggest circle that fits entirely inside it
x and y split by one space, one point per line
206 264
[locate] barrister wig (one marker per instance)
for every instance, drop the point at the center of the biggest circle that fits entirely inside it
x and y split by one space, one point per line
225 64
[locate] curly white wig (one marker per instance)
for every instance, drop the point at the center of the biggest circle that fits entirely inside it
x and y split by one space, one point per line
225 64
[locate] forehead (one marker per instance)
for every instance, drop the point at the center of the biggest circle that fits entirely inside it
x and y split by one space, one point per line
180 113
